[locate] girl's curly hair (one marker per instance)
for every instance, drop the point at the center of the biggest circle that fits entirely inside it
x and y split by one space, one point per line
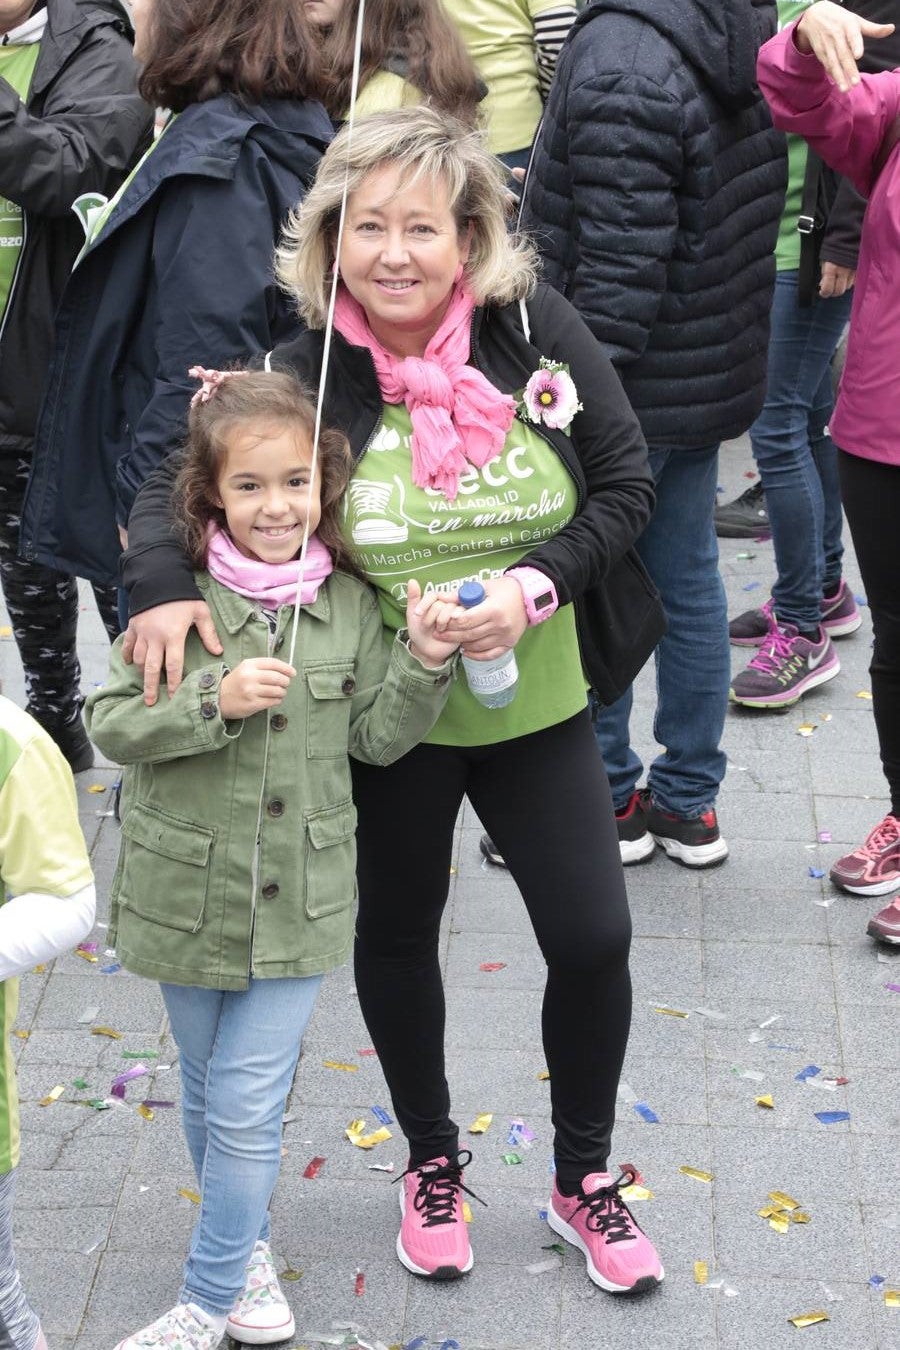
266 398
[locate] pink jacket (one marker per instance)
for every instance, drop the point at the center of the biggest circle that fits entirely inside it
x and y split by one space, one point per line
848 131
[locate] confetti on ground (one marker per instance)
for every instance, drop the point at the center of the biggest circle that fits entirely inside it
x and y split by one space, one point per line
824 836
866 694
809 1319
746 557
701 1272
544 1076
491 966
877 1281
86 955
368 1053
831 1117
712 1014
38 970
805 729
466 1212
380 1114
668 1012
894 988
53 1095
783 1200
157 1105
816 872
769 1022
355 1132
626 1093
481 1123
542 1267
119 1083
646 1113
80 1084
751 586
892 1298
696 1173
765 1101
754 1075
520 1136
106 1031
5 631
381 1167
21 1035
635 1192
292 1276
110 969
809 1072
188 1194
359 1284
145 1111
336 1064
96 788
313 1167
511 1159
89 1015
140 1054
830 1294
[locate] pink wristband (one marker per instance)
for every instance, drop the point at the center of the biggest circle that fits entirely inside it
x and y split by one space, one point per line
538 592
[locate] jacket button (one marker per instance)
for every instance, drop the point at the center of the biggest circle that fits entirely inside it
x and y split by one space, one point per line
348 686
442 680
278 722
276 807
270 890
207 680
208 710
279 643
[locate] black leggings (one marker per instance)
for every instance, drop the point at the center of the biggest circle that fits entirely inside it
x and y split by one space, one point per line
871 494
545 801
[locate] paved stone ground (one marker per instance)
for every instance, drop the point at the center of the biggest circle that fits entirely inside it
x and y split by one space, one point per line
780 959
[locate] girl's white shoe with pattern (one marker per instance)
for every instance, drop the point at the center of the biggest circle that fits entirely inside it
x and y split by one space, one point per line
178 1329
261 1315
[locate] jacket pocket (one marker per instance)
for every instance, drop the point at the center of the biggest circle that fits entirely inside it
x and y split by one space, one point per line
166 869
331 690
330 860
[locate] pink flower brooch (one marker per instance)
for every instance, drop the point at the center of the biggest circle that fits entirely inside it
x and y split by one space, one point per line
550 396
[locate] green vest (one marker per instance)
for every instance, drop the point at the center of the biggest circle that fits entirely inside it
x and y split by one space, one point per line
17 68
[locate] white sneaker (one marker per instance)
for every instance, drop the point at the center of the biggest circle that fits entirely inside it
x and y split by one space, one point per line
261 1315
178 1329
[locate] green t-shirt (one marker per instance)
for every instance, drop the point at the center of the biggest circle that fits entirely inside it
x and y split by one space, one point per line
500 37
41 849
787 249
17 68
501 512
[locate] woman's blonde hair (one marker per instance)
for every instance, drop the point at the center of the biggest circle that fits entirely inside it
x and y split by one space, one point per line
423 144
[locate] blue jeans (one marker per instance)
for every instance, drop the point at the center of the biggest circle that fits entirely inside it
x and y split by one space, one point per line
796 457
693 667
238 1052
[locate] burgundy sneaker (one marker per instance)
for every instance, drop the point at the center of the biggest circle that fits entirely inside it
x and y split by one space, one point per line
840 613
786 666
751 628
636 843
434 1240
886 923
874 867
694 841
620 1257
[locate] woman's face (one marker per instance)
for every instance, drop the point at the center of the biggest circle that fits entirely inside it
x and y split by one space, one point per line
141 11
322 13
400 256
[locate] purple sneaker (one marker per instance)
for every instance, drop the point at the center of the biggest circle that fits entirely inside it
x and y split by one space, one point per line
751 628
786 666
840 613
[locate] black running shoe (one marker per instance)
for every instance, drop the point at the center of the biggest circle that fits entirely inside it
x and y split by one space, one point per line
693 841
744 518
636 843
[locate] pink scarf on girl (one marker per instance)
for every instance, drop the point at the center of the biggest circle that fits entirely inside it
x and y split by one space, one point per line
458 417
269 584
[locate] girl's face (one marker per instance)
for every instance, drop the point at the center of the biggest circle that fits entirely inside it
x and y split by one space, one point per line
141 12
266 490
322 13
401 254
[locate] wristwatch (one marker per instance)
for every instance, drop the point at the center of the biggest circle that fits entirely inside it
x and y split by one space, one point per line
538 592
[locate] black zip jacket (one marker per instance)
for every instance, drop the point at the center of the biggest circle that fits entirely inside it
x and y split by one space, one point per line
590 561
82 128
181 274
654 194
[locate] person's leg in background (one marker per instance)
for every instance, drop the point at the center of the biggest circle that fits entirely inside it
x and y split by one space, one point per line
19 1325
680 552
796 461
43 611
871 495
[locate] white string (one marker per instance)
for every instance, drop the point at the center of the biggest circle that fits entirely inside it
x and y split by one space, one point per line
329 320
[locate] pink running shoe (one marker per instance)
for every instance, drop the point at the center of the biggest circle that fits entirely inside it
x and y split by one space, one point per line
874 867
620 1257
433 1240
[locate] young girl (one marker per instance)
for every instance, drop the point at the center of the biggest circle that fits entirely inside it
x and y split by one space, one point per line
235 885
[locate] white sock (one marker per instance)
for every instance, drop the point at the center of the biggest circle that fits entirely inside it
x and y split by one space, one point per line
215 1320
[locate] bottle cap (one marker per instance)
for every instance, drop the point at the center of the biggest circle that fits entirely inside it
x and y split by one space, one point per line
470 593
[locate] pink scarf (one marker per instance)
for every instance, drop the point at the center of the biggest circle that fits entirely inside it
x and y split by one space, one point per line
458 417
269 584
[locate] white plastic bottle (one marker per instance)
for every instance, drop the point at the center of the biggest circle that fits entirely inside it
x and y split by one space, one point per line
493 683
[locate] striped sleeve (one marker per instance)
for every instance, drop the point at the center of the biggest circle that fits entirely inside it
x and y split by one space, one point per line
550 30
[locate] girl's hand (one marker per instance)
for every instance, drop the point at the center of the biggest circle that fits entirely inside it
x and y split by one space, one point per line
425 620
835 37
491 628
253 685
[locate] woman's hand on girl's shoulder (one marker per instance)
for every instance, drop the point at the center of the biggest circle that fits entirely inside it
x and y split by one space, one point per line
154 641
258 683
426 620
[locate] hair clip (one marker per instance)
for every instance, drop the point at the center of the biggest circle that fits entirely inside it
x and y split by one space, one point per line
210 380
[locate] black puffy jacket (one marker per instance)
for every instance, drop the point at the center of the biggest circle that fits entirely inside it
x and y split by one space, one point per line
654 195
82 126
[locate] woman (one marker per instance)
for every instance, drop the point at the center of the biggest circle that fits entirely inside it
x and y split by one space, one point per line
411 53
852 122
457 480
179 262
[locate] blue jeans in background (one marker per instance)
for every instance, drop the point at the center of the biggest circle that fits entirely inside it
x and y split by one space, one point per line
238 1052
693 667
796 457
